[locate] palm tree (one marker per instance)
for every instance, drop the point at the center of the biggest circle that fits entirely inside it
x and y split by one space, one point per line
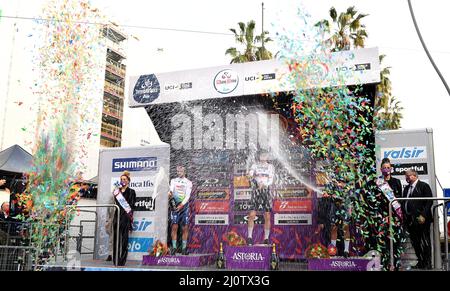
349 29
350 33
252 51
390 117
388 109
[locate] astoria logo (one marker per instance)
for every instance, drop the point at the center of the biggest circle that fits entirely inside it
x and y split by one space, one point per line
240 256
168 260
343 264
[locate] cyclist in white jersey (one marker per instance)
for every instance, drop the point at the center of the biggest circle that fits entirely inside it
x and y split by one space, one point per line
180 190
262 175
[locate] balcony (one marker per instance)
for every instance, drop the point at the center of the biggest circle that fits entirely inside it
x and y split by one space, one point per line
105 142
111 132
115 68
113 33
113 113
115 53
114 89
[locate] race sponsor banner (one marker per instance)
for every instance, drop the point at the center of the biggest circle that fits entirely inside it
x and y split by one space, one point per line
249 79
140 184
149 168
292 219
408 149
241 182
212 206
205 194
400 169
242 194
214 182
243 219
304 205
405 153
138 164
139 245
245 205
293 193
145 204
247 258
180 261
143 225
211 219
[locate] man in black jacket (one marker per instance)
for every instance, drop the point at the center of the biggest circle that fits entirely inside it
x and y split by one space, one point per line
418 218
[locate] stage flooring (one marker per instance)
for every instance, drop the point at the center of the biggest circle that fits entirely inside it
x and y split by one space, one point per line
101 265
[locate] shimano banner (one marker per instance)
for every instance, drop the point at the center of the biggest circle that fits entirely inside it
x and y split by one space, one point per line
149 170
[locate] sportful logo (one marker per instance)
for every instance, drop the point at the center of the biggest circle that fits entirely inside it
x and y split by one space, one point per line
254 257
402 153
135 164
226 81
400 169
145 204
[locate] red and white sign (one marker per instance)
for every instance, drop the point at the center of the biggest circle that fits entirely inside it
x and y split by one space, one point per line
211 206
292 205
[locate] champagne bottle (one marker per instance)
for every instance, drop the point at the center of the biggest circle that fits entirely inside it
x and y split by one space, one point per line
220 263
173 204
274 262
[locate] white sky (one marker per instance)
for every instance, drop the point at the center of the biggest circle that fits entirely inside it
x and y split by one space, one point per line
390 28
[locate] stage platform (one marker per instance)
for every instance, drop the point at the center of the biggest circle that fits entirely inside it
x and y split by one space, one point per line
101 265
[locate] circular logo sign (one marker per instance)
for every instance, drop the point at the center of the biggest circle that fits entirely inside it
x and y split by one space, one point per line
226 81
146 89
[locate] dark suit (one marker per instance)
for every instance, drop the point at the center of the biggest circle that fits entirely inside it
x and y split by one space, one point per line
396 186
419 233
125 226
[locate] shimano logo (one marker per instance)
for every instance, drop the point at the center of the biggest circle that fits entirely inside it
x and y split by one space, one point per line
135 164
166 260
405 153
240 256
